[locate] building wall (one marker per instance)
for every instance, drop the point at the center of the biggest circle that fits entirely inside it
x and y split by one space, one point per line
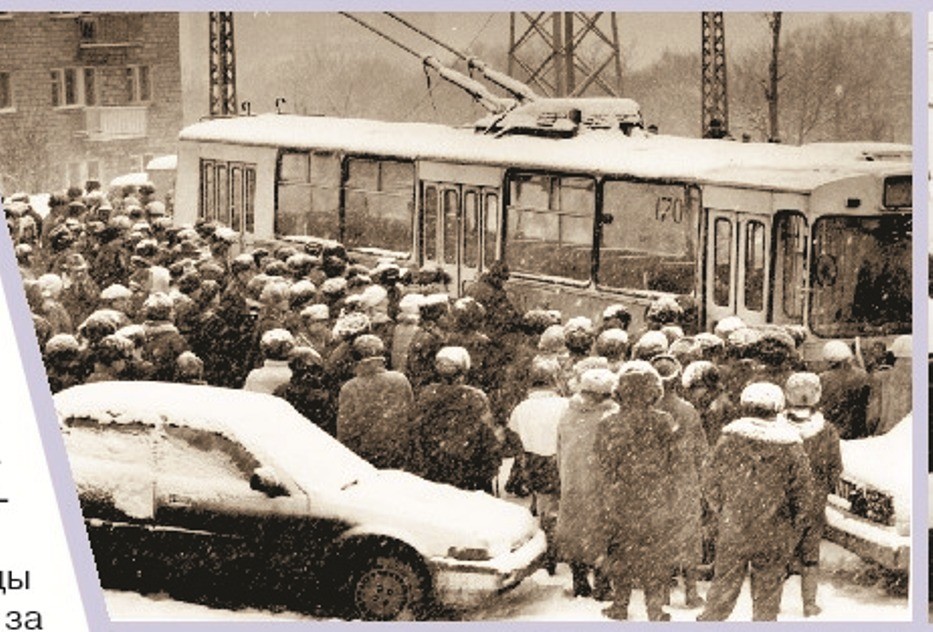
39 141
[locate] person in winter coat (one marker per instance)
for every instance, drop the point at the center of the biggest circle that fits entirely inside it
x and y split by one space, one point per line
339 365
189 369
758 484
821 443
467 318
426 342
315 331
891 389
535 422
307 390
692 449
703 388
275 347
637 455
374 409
504 320
163 342
579 533
454 441
846 390
80 293
50 289
110 359
63 362
406 327
612 344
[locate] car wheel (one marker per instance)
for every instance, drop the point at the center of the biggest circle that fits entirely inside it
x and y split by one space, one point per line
387 588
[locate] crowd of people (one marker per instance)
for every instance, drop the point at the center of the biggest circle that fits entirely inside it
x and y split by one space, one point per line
643 453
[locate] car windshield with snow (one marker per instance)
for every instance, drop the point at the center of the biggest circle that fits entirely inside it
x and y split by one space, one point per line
191 488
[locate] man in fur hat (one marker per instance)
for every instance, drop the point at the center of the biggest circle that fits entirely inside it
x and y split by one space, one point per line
758 485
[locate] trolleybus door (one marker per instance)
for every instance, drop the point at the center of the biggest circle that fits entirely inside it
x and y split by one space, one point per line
737 268
752 291
720 265
453 230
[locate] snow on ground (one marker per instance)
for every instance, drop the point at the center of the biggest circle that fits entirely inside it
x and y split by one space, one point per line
851 590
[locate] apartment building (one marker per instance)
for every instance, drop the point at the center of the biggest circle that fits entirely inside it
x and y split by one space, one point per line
85 96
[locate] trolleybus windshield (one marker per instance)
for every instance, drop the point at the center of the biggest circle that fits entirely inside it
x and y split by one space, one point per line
861 277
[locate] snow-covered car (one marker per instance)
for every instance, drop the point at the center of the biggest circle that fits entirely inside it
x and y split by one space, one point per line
869 513
240 491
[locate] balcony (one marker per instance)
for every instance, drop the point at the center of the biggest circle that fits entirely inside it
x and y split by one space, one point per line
115 123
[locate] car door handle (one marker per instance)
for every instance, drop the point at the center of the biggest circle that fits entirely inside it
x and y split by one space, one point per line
177 501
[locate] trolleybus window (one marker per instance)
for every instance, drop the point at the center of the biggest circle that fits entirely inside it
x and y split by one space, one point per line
550 225
491 228
861 276
429 230
451 217
790 237
722 262
471 219
648 237
754 266
379 204
307 195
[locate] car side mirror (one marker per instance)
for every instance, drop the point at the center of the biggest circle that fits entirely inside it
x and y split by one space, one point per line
265 480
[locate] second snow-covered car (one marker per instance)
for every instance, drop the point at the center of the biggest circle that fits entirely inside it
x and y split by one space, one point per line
233 490
869 513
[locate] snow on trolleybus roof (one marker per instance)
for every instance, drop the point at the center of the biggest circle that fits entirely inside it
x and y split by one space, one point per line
265 424
758 165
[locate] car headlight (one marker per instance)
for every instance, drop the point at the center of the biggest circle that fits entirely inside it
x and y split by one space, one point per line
469 554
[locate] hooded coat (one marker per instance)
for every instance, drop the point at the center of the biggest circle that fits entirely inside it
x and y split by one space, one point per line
821 443
758 484
759 488
638 455
374 415
454 442
162 347
846 390
689 456
579 535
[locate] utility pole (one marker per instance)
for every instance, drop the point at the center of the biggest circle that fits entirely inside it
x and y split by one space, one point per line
774 77
544 51
222 65
714 116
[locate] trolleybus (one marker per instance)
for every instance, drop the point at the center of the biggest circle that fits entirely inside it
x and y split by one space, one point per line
816 235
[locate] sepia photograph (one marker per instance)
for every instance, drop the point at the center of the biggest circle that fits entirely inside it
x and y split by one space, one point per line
508 316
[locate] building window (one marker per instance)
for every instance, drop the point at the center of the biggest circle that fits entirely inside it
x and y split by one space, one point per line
138 89
88 26
74 86
6 92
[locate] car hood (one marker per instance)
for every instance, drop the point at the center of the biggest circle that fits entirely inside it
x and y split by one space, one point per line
433 516
882 462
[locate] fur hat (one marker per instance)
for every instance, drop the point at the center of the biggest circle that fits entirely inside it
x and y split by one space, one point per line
158 306
664 310
115 292
597 381
451 361
638 384
836 351
368 346
316 312
701 373
763 397
727 325
667 367
612 343
803 390
276 344
352 324
650 344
